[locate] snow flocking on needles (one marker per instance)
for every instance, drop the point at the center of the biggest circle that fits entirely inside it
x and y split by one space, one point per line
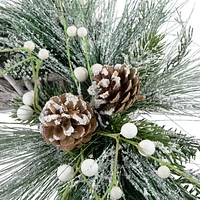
83 113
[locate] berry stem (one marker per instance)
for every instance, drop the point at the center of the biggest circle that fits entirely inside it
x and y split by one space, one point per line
114 179
66 191
87 57
67 42
82 156
69 60
115 162
179 172
36 78
91 188
14 49
15 65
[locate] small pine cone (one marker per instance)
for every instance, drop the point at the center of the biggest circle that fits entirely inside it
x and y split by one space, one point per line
67 121
114 89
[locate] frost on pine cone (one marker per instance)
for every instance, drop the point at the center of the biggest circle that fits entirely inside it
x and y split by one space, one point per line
114 89
67 121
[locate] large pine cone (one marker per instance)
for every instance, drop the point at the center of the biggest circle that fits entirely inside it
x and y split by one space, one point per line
67 121
114 89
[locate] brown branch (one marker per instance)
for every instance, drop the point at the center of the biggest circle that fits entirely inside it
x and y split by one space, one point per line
13 83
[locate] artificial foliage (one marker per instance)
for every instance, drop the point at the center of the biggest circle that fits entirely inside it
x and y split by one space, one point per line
94 71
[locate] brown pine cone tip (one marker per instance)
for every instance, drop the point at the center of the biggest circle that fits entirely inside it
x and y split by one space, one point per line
114 89
67 121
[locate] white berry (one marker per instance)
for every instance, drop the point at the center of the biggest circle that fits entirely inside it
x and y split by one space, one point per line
43 54
81 74
163 172
116 192
29 45
65 172
129 130
89 167
24 112
82 32
148 147
28 98
71 31
96 68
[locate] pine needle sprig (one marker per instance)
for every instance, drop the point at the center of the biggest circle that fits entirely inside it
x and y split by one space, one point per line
33 25
148 185
140 44
130 164
38 154
35 164
169 80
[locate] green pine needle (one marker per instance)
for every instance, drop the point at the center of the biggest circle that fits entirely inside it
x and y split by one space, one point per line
169 78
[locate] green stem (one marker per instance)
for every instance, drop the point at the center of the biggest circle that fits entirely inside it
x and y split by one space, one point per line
66 191
82 156
68 185
67 42
14 49
85 45
114 179
32 63
76 172
36 78
91 188
78 163
113 135
69 61
131 142
87 57
179 172
115 162
15 65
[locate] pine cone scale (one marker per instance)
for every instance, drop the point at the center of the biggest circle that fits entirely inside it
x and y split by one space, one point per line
72 124
77 131
132 73
125 99
129 86
114 89
67 127
87 138
58 135
120 109
93 125
129 103
116 99
68 144
134 92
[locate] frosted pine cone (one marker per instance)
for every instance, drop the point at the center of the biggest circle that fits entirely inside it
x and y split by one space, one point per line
67 121
114 89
